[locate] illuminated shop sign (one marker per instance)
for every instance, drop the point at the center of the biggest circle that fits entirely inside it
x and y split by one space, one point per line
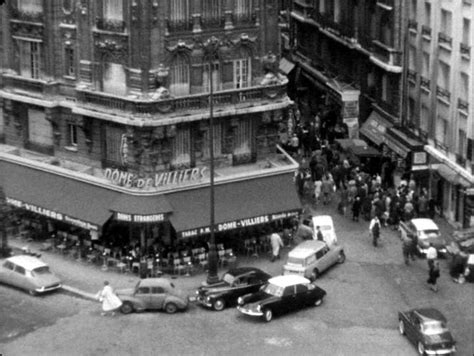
132 180
52 214
136 218
236 224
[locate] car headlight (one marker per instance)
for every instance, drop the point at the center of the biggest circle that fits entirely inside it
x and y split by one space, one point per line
259 308
240 300
208 299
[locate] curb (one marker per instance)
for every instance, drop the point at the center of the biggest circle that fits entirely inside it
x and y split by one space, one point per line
78 293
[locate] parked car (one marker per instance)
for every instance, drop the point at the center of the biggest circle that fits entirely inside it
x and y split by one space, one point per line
310 258
326 226
233 284
426 328
280 295
424 231
152 294
28 273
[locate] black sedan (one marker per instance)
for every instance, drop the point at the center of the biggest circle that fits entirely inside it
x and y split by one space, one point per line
280 295
426 328
233 284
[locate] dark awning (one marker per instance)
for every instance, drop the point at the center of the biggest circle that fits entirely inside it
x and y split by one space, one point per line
237 204
374 128
58 197
286 66
140 208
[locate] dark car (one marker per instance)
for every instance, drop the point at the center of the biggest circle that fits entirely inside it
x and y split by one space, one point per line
424 232
233 284
280 295
152 294
426 328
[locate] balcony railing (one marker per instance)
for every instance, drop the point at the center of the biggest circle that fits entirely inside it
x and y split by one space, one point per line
463 105
386 54
107 102
411 75
425 83
30 85
304 8
443 93
110 25
444 39
464 49
460 160
26 16
412 25
426 31
179 25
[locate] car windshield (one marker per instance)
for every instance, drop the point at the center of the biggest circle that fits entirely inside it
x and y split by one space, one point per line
40 270
433 328
428 233
228 278
296 260
273 290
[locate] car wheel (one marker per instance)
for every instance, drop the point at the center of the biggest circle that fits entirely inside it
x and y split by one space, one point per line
314 275
401 327
421 348
318 302
341 258
171 308
219 304
126 308
267 315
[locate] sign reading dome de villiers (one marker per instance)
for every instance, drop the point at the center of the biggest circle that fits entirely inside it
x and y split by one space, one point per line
162 179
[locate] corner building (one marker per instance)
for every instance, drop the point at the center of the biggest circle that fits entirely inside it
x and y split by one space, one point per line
105 111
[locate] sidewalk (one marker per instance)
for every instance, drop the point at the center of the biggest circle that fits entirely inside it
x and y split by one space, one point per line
84 279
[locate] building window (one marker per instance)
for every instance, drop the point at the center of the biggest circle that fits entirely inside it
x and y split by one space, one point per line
114 79
385 88
114 146
386 31
442 130
412 14
113 10
30 6
179 11
217 133
427 17
464 85
30 59
68 5
215 76
462 140
443 75
40 130
412 58
72 135
446 22
211 10
242 70
243 137
337 11
182 147
425 118
179 74
425 65
69 62
466 32
243 8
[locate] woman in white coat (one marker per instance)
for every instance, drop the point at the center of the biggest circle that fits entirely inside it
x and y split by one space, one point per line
110 301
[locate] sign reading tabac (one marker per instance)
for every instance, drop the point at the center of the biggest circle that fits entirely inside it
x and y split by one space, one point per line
132 180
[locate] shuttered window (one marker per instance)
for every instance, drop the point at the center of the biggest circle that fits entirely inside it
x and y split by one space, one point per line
115 145
114 79
182 147
179 72
113 10
40 130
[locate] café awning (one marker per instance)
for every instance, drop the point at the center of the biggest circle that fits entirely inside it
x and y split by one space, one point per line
452 176
55 196
238 204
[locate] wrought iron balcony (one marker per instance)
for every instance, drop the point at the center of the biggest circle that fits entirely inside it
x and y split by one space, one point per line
412 75
106 102
386 54
412 25
463 105
465 49
179 25
444 39
443 93
26 16
304 8
461 160
426 31
110 25
425 83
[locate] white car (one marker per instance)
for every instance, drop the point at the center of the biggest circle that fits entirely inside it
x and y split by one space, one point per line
424 231
28 273
326 225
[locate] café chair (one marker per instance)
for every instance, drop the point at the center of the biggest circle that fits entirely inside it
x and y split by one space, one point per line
178 266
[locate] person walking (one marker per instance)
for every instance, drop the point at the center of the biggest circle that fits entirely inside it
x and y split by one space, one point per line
408 249
431 255
327 188
356 208
110 301
374 228
319 234
433 276
276 242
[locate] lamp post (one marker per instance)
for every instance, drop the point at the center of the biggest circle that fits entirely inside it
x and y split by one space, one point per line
211 47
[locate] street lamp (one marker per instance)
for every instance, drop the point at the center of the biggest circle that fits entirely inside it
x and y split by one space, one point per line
211 47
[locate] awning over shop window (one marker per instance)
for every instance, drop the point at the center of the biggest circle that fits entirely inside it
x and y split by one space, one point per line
374 128
141 209
452 176
61 198
237 205
401 143
286 66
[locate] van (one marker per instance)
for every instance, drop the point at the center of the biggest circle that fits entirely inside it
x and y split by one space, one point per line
326 226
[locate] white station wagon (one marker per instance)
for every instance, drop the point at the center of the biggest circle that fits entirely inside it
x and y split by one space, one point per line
28 273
